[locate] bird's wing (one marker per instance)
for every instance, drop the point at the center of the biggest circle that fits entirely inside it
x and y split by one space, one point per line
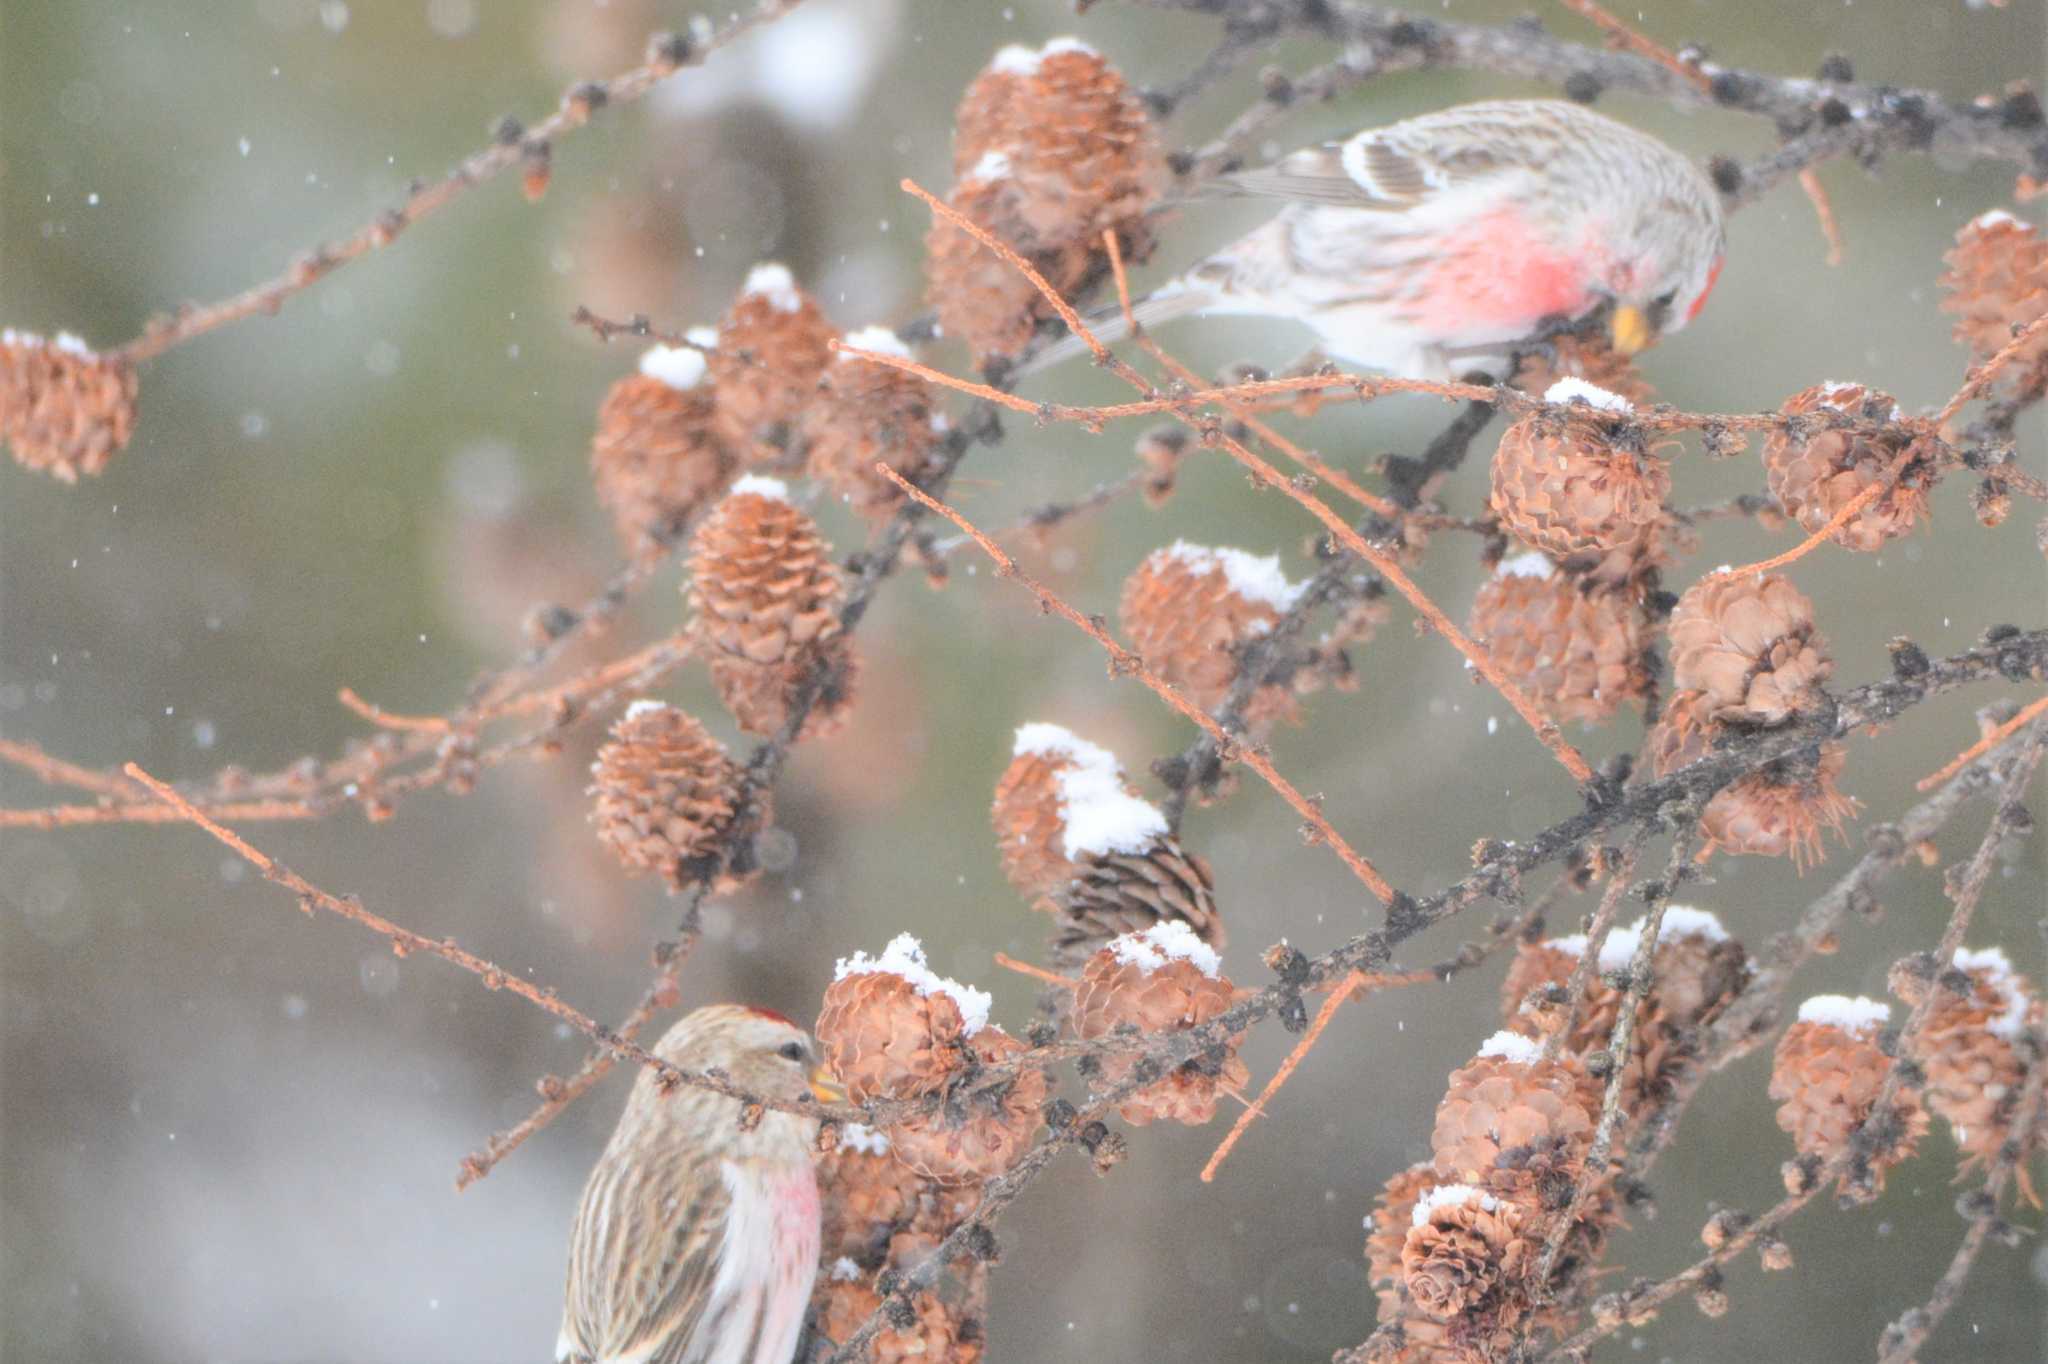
1396 168
645 1258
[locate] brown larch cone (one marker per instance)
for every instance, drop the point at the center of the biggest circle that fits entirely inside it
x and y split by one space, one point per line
1816 472
1682 734
1997 280
656 459
1577 651
1391 1220
1748 643
666 798
866 413
1590 358
1509 1099
866 1195
766 597
1968 1047
65 410
1051 149
1163 979
935 1331
1188 610
1570 482
892 1029
1113 893
1464 1244
1049 765
773 346
1826 1076
1781 811
983 1126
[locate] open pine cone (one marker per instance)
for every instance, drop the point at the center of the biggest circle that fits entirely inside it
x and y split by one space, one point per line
866 414
1576 650
766 597
1165 979
64 410
1392 1218
1188 610
1509 1101
1051 149
1969 1050
773 346
1114 893
1826 1076
1463 1245
1577 482
892 1029
656 458
1748 644
1817 473
667 796
1997 281
983 1127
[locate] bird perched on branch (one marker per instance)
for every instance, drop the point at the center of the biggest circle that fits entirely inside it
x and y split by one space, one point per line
697 1238
1429 246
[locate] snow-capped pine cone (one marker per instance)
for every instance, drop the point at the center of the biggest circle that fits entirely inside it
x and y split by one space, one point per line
65 410
1820 471
1826 1075
1968 1047
1997 281
1175 995
864 414
1188 610
773 346
656 459
1509 1100
1577 651
1577 483
884 1040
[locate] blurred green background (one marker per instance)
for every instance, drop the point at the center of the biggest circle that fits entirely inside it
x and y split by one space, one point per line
230 1132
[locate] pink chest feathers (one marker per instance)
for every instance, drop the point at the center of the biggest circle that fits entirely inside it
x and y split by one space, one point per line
771 1257
1493 277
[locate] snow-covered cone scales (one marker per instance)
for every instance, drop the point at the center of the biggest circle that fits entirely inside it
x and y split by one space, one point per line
1189 609
773 346
656 458
1997 280
891 1027
1826 1077
1578 480
1163 979
64 409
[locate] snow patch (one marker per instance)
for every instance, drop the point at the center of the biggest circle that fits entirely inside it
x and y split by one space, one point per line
1449 1195
1099 815
1255 577
1534 564
645 706
866 1140
1511 1047
68 342
1688 921
1850 1015
844 1270
1997 216
703 337
773 282
1994 968
680 367
1565 390
878 339
992 166
1019 60
760 487
904 956
1168 940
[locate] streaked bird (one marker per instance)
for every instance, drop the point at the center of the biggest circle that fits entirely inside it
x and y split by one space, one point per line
1428 246
696 1242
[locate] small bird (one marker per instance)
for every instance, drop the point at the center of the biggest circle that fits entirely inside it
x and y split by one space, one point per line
696 1242
1443 239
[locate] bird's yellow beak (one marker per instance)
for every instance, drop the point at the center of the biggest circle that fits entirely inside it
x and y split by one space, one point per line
825 1088
1629 329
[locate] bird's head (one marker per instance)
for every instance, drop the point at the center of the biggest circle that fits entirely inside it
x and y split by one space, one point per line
761 1050
1664 268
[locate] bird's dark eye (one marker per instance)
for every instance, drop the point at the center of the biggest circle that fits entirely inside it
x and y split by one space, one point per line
791 1051
1660 307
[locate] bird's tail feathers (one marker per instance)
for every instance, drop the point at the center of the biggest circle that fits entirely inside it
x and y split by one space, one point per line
1109 324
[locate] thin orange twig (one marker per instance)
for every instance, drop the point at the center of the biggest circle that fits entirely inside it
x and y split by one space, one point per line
1350 986
1848 512
1823 209
1123 661
377 715
1621 35
1039 973
1546 730
1335 477
150 812
1983 746
1980 377
55 771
